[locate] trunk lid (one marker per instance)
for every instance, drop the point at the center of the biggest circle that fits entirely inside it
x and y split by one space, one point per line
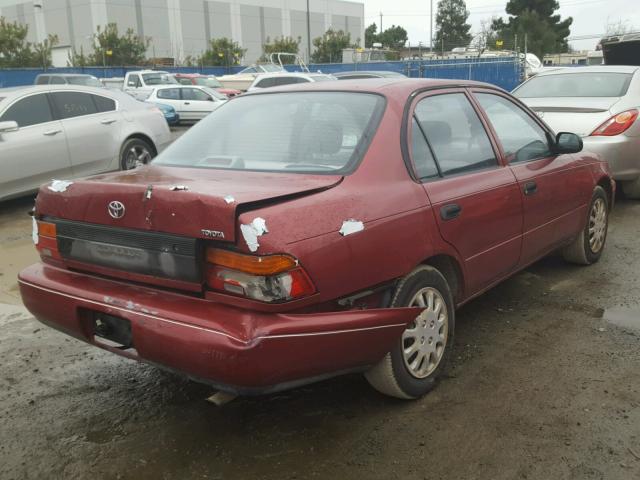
580 115
190 202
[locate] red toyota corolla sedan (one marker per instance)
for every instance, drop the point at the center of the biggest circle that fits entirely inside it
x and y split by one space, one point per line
314 230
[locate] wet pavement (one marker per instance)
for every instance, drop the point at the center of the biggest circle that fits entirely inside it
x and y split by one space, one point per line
544 384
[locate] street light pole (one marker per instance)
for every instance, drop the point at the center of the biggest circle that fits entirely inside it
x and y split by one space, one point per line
308 34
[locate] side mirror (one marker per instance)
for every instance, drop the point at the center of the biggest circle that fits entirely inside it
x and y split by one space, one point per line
568 143
9 126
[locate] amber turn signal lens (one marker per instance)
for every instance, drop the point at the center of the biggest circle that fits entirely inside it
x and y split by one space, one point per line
254 264
46 229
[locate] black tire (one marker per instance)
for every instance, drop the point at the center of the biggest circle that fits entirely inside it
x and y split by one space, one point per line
135 151
392 376
582 250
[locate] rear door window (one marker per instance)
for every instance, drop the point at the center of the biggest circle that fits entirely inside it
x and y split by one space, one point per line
58 81
169 93
73 104
455 134
28 111
104 104
421 154
266 83
521 137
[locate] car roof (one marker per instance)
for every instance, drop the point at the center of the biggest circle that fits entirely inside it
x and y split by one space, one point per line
590 69
384 86
382 73
65 75
30 89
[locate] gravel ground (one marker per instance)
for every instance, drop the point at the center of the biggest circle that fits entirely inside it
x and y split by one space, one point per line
544 384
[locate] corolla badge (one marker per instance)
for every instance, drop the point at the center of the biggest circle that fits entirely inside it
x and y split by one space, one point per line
116 209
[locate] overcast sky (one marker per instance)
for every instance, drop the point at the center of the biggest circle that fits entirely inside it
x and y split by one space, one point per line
589 16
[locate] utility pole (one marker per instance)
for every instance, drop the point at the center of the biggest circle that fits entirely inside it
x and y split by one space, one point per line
431 28
308 33
380 22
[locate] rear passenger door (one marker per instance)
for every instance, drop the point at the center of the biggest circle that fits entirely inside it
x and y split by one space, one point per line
551 186
92 125
475 198
37 151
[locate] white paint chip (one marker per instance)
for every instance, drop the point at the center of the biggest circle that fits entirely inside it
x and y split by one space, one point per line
351 226
34 230
229 199
59 185
174 188
252 231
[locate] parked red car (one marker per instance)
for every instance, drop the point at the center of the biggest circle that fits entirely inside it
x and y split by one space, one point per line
321 229
206 81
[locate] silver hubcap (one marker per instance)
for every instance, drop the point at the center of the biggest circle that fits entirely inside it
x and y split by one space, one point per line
597 225
136 156
423 343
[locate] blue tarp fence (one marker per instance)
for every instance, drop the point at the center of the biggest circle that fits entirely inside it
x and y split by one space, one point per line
505 72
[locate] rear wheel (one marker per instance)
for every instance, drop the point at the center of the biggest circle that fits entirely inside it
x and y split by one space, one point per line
588 246
631 188
414 364
135 152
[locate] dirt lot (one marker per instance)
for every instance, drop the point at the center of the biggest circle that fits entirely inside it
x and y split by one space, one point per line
545 384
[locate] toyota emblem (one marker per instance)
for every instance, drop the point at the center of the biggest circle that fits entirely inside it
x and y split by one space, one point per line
116 209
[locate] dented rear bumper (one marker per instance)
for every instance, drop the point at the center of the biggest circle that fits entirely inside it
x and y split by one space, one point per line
236 350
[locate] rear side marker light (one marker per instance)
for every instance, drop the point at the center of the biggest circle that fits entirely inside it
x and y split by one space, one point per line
617 124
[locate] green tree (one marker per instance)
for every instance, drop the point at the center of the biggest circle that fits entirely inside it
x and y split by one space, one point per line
222 52
393 38
452 29
16 51
371 35
280 44
111 48
328 48
535 20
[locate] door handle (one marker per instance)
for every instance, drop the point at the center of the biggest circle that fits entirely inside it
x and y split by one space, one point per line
49 133
187 103
451 211
108 121
530 188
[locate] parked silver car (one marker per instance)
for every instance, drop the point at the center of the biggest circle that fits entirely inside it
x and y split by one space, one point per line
599 103
63 131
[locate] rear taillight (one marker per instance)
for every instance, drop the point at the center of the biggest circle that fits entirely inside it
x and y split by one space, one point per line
269 278
617 124
45 238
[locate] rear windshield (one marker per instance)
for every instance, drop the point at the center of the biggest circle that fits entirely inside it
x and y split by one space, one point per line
158 79
305 132
591 84
88 81
208 82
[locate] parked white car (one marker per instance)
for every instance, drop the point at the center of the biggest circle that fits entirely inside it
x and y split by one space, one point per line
65 131
269 80
190 102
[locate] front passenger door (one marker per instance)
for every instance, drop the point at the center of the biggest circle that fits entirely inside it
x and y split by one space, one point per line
475 199
550 186
36 152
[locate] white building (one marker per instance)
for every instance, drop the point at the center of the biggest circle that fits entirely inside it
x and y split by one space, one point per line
179 28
